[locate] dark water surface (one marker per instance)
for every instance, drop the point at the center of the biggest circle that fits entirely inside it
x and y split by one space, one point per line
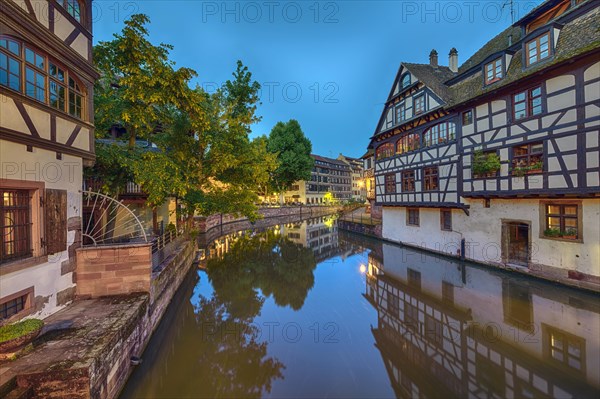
301 310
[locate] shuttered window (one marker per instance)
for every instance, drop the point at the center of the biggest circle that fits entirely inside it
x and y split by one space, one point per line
55 217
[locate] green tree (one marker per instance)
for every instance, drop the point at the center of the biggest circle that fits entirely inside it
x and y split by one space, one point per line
293 150
202 152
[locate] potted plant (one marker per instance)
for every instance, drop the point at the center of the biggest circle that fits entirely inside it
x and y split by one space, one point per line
520 171
485 165
15 337
552 232
570 234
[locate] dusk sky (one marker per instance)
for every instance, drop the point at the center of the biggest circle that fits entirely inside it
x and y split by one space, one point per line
330 65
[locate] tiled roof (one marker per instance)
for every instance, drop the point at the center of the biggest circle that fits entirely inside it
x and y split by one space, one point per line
577 37
432 77
330 160
498 43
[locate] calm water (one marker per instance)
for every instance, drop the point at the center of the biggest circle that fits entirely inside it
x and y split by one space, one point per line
304 310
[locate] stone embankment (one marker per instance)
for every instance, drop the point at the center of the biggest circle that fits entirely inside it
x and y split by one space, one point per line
88 349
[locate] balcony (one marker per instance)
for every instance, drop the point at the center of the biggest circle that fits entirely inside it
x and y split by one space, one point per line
131 189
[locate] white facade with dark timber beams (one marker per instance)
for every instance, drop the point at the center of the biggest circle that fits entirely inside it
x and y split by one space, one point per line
46 136
519 180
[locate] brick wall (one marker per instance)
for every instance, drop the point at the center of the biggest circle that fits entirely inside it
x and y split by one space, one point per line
113 270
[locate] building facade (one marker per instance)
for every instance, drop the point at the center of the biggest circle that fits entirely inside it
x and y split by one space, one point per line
46 137
359 190
330 182
498 159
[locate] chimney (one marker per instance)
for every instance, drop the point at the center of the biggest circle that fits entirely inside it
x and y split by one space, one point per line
453 60
433 58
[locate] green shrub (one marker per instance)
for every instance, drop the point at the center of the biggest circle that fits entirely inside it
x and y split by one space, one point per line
12 331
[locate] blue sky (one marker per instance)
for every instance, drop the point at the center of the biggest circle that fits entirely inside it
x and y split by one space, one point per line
328 64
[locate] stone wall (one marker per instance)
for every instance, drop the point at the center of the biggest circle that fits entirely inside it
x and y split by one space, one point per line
113 270
204 224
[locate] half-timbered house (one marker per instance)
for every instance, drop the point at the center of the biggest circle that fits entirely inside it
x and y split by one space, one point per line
46 137
444 336
522 173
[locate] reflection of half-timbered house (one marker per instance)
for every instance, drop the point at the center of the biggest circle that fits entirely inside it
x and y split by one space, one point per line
443 336
46 136
526 113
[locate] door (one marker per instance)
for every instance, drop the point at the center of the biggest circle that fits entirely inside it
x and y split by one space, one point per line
516 243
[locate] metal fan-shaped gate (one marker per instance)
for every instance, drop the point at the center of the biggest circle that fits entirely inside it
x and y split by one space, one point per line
107 221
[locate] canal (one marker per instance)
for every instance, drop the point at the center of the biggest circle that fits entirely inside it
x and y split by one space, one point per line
302 310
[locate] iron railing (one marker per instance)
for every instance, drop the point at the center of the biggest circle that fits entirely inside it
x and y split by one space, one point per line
163 246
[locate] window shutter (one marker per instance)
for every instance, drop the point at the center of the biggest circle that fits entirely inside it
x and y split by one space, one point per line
55 220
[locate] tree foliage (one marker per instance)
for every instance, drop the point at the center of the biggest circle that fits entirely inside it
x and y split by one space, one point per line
293 150
201 151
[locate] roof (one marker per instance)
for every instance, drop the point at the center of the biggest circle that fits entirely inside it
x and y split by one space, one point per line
498 43
329 160
368 154
432 77
577 37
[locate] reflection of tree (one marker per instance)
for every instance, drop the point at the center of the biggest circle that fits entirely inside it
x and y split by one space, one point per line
265 261
230 359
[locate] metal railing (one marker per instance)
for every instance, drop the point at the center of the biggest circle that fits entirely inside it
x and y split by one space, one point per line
163 246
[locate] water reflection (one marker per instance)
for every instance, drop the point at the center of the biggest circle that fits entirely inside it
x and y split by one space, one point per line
490 334
408 324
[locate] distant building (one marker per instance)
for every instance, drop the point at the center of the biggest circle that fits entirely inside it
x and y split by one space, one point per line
503 151
359 191
330 182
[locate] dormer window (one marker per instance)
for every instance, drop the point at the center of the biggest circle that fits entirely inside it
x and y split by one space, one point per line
493 71
419 104
405 81
538 49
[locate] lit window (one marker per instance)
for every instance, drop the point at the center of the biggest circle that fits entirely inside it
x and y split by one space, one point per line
527 103
408 143
408 181
439 134
562 220
430 178
15 225
493 71
385 151
538 48
390 183
528 159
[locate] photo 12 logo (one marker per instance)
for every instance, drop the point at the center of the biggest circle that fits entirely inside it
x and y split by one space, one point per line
253 12
290 92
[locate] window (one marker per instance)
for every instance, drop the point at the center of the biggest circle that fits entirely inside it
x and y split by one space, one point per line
528 159
393 304
408 143
73 8
411 316
10 66
419 105
412 216
430 178
39 78
15 303
400 113
493 71
414 278
538 48
434 331
390 183
405 80
408 181
385 151
15 225
446 220
439 134
485 164
564 349
562 220
467 117
527 103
